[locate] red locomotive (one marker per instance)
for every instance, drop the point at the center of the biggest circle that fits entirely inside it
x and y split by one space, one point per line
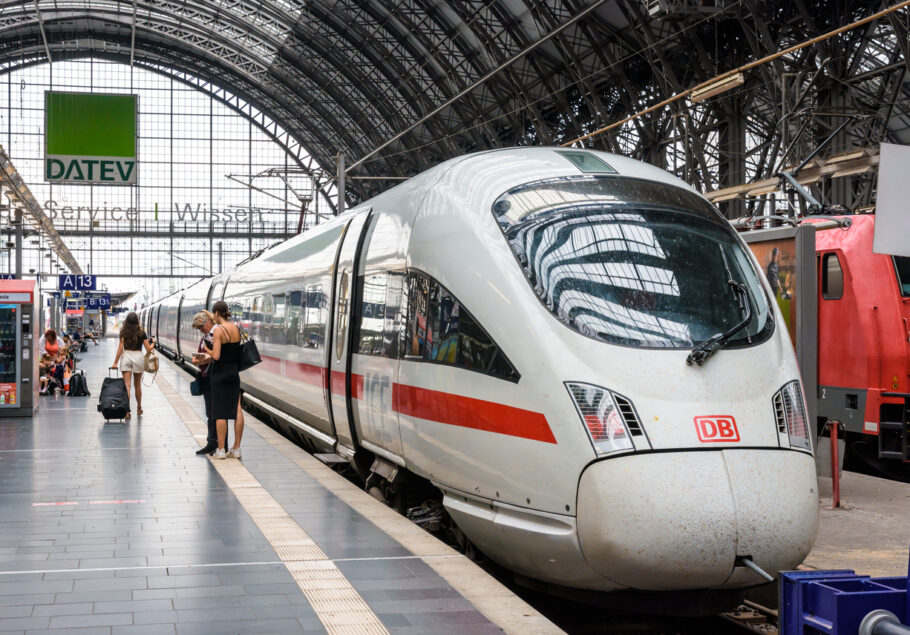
864 344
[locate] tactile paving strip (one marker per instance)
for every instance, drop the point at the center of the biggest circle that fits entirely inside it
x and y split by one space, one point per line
335 601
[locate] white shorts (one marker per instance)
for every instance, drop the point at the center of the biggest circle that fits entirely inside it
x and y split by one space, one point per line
132 362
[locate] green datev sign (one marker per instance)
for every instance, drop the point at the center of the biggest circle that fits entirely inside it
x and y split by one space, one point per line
90 138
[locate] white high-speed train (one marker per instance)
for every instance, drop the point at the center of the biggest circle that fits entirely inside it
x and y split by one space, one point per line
573 347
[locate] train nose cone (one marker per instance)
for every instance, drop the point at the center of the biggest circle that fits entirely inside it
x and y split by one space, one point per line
679 520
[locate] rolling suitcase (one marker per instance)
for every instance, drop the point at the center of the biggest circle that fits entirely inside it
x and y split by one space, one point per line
114 402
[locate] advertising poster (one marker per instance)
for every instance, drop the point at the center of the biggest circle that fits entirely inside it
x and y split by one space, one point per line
90 138
7 394
777 259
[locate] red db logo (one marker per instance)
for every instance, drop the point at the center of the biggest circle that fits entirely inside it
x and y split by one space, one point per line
716 429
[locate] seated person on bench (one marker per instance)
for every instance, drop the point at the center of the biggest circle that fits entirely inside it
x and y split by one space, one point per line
52 372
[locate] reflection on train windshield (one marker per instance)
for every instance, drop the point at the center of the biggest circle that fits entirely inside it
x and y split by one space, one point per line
632 262
902 267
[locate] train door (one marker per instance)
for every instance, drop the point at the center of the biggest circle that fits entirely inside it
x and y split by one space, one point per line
339 382
376 330
844 369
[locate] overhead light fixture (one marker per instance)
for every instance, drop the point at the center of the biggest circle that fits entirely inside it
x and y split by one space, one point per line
716 88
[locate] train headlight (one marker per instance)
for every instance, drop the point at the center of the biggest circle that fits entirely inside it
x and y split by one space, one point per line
602 418
790 413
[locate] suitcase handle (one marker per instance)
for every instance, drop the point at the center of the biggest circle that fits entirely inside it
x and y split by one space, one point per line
116 370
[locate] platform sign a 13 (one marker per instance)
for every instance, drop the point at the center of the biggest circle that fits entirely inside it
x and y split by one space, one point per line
76 282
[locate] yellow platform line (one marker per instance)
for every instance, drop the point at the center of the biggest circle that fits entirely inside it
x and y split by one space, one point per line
336 602
489 596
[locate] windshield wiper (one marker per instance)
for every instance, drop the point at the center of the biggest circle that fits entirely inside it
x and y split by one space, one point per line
717 341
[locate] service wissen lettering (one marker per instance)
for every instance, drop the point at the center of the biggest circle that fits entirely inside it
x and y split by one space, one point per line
187 212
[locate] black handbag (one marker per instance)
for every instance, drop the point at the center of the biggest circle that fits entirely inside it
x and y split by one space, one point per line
249 354
196 387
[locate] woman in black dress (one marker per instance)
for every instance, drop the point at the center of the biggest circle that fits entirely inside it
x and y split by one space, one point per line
224 379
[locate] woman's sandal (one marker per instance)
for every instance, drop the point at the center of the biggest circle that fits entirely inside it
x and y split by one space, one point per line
139 412
127 416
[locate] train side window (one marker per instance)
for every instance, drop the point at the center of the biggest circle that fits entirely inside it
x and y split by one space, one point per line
833 278
902 267
443 313
279 319
418 286
267 308
314 317
372 298
393 324
440 329
475 348
379 320
235 307
294 299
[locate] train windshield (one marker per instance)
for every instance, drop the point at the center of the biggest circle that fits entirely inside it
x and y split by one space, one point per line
633 262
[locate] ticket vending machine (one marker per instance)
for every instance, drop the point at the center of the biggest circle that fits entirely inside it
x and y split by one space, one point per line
18 340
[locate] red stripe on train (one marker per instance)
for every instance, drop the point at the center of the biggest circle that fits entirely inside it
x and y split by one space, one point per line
467 412
338 384
432 405
307 373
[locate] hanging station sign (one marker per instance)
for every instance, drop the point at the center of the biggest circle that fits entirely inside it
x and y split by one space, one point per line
90 138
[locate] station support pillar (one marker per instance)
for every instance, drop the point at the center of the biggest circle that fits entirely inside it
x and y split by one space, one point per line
732 150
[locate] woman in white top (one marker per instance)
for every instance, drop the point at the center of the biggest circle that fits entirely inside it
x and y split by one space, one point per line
131 356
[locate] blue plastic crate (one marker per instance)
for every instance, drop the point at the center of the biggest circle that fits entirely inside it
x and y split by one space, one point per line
835 602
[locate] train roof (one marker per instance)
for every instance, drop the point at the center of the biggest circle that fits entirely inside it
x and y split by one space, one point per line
487 175
502 169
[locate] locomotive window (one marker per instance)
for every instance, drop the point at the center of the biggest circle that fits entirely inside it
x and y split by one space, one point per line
633 262
833 278
441 330
902 267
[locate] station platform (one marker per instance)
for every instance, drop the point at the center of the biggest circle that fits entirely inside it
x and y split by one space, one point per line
869 533
119 528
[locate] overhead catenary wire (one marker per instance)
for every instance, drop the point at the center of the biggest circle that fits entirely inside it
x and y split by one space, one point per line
744 67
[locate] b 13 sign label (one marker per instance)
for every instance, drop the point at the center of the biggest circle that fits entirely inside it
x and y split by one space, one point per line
717 429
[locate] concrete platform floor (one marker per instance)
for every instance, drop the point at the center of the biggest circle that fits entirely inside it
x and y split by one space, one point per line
869 533
119 528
